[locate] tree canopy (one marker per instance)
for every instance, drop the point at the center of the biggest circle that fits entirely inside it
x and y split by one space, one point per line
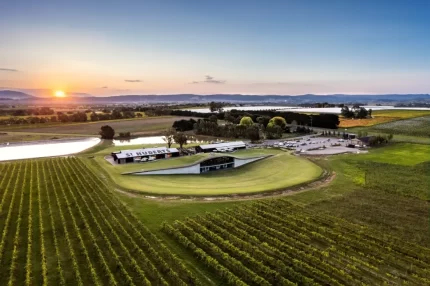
181 139
277 121
246 121
107 132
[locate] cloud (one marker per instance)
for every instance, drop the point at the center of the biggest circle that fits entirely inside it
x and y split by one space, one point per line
8 70
209 79
132 80
104 87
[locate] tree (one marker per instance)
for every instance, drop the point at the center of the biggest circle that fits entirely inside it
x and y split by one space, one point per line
278 121
94 116
107 132
273 131
181 139
369 112
228 117
253 133
345 112
213 118
362 113
216 106
168 136
246 121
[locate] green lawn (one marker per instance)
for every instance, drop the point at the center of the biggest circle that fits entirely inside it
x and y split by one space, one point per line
402 154
278 172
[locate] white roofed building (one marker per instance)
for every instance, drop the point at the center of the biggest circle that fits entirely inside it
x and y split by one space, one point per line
142 155
236 145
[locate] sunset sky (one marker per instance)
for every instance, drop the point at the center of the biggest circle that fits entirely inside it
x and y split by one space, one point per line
250 47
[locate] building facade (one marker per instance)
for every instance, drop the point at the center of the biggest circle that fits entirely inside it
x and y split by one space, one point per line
144 155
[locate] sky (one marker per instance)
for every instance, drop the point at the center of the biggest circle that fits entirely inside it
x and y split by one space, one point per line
206 47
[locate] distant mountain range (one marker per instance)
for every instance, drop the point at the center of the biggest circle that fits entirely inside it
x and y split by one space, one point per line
11 94
37 93
284 99
194 98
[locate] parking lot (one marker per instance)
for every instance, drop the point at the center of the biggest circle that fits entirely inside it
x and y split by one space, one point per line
311 145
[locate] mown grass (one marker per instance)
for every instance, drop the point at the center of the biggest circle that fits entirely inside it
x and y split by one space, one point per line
280 171
398 154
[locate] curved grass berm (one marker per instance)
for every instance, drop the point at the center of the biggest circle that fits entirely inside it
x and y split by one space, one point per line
276 243
61 225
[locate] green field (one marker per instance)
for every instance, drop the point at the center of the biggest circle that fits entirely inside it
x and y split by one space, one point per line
419 126
136 126
400 113
275 173
30 136
402 154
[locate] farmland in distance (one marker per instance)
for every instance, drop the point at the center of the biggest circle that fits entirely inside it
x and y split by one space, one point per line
419 126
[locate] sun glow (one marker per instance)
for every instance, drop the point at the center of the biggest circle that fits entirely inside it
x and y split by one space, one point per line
60 93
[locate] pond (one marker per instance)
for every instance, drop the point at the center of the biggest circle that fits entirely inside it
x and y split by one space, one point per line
29 150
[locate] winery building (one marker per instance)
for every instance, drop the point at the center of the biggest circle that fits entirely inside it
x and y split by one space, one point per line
221 147
144 155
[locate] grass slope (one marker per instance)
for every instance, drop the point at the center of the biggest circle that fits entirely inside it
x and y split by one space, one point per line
280 171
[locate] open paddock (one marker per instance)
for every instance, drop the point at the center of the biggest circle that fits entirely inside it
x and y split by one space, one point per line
136 126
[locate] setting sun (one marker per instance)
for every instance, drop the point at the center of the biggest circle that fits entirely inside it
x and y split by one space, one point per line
60 93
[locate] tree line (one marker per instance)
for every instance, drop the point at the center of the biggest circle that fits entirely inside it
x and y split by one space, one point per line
356 112
263 128
330 121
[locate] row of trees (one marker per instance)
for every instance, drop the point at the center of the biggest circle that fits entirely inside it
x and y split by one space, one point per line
75 117
264 127
27 112
330 121
356 112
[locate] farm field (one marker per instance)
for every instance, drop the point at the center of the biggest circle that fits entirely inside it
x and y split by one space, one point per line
275 173
276 243
419 126
61 225
382 116
30 136
135 126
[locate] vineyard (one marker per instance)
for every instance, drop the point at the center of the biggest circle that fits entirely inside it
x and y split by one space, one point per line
276 243
61 225
419 126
